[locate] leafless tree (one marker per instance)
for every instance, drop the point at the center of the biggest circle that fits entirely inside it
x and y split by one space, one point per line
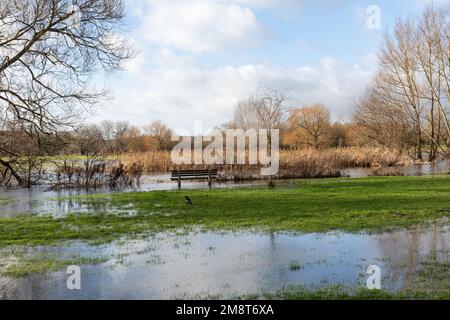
49 51
113 134
414 79
161 133
383 124
266 110
313 122
431 43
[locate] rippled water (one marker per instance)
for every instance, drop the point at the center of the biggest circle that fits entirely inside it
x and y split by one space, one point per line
226 265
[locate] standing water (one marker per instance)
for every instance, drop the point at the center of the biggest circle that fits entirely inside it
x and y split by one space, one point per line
229 265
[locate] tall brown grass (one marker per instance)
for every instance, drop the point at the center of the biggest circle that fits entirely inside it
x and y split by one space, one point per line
306 163
94 173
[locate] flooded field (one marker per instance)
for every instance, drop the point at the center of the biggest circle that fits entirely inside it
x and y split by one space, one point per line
230 265
39 200
210 264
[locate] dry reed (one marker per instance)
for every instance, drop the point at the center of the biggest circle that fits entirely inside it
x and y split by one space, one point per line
306 163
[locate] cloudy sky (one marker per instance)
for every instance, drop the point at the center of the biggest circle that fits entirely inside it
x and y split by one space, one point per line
197 58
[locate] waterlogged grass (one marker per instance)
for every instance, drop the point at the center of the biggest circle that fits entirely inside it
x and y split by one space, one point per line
340 292
430 281
295 266
5 200
21 264
351 205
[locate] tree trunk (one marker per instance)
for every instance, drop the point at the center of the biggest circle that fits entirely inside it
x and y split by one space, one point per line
432 147
418 143
19 179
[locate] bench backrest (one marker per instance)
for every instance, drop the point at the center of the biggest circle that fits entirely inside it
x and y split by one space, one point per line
194 173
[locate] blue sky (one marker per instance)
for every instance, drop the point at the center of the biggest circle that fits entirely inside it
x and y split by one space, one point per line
198 58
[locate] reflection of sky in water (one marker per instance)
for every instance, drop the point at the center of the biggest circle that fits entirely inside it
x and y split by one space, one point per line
228 264
38 200
442 166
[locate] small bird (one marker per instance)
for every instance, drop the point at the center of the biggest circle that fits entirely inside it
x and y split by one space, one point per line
187 200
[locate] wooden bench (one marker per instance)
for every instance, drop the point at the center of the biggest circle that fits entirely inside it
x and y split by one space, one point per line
208 174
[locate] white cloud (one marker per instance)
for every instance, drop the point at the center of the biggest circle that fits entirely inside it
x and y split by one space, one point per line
200 25
168 80
175 89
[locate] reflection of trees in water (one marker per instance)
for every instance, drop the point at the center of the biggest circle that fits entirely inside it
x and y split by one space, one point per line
407 252
75 204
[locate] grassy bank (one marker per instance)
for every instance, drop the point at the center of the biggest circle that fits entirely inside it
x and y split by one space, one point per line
367 204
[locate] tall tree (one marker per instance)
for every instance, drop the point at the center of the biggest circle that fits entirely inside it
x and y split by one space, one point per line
311 123
49 52
414 79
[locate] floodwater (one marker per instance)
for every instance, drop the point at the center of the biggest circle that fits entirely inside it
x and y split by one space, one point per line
230 265
221 265
39 200
439 167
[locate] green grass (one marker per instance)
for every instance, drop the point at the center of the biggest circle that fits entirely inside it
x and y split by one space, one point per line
351 205
20 264
340 292
295 266
5 200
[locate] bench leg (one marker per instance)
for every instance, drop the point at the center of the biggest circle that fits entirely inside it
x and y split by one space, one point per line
209 179
179 180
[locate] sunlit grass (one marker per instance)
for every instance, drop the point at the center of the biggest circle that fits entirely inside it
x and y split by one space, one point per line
351 205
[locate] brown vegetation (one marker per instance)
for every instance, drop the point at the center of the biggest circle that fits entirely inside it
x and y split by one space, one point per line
96 173
306 163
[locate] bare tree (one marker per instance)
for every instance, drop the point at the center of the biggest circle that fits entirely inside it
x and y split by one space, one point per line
114 136
90 141
313 122
266 110
381 123
414 78
431 43
397 81
161 133
49 50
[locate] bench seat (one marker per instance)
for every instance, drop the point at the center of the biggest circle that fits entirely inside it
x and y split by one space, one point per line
179 175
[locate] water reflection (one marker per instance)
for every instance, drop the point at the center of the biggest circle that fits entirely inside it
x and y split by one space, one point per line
38 200
199 265
439 167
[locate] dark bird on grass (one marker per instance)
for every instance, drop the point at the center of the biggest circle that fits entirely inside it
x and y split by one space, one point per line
187 200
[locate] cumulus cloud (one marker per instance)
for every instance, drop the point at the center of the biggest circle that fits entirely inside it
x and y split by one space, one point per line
175 89
200 25
169 81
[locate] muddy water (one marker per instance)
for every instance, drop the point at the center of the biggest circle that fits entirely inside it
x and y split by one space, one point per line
226 265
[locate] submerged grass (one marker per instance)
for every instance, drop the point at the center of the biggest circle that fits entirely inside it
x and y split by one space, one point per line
351 205
431 281
5 200
340 292
21 264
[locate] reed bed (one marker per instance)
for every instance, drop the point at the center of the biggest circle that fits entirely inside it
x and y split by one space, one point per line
94 174
305 163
